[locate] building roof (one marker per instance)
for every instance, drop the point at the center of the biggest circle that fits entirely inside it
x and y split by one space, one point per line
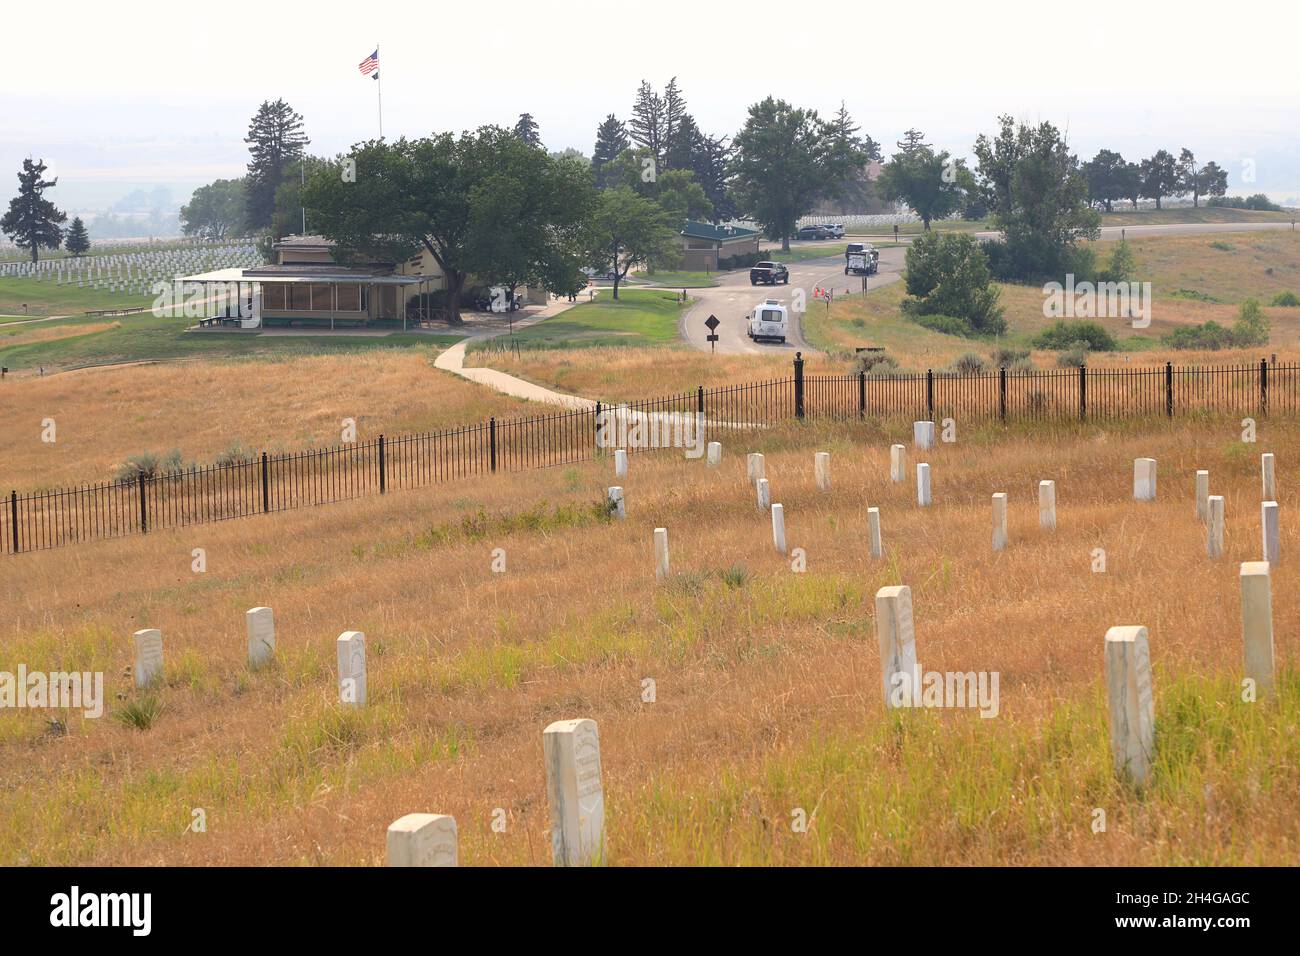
303 242
321 273
706 230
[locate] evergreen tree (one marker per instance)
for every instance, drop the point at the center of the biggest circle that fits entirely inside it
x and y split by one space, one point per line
275 144
77 240
32 220
674 113
611 140
528 130
647 124
912 141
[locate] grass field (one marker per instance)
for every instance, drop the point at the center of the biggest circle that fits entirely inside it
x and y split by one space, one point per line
678 280
45 298
144 337
1122 217
1194 279
768 696
638 317
205 409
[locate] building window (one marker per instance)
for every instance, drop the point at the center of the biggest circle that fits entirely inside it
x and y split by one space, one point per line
349 298
273 296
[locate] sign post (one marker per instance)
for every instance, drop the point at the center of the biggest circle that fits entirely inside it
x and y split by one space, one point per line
712 323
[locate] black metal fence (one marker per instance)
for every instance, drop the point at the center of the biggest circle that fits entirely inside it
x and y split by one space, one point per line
49 519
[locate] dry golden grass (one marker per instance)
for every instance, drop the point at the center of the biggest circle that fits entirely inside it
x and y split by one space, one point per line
27 333
768 681
103 416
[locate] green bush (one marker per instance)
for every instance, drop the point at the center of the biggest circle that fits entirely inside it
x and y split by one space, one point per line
1287 299
1257 201
948 275
878 365
1066 335
947 324
1074 356
149 464
969 364
1005 357
1122 266
1249 331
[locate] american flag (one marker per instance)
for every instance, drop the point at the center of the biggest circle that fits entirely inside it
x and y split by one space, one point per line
370 65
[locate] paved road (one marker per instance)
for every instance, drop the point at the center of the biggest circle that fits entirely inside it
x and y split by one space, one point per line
733 299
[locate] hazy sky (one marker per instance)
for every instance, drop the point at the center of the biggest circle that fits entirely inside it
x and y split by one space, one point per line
150 92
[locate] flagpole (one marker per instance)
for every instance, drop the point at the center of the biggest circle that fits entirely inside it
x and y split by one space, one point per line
379 84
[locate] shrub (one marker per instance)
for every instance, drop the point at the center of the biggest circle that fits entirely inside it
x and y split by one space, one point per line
1122 266
878 365
1251 328
1257 201
1074 356
947 324
1066 335
948 274
1005 357
1222 246
235 453
1210 336
1287 299
148 465
969 364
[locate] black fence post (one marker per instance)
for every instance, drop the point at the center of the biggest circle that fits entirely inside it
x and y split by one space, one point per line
699 403
383 471
929 392
597 427
144 510
862 394
13 517
1169 389
492 439
798 385
1083 393
266 485
1263 386
1002 392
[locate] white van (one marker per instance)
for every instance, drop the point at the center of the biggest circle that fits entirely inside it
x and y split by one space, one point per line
769 320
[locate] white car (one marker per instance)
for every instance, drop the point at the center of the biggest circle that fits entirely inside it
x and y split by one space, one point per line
768 320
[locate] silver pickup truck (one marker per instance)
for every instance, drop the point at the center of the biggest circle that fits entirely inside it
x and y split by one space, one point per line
861 259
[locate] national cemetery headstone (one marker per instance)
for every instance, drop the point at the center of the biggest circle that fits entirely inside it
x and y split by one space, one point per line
148 656
778 527
923 498
1203 495
1214 528
616 504
714 454
260 623
1268 474
1270 531
1257 623
754 467
1047 504
574 792
923 435
423 839
1132 705
1144 479
897 463
351 648
763 494
822 468
896 637
620 463
999 521
873 532
661 553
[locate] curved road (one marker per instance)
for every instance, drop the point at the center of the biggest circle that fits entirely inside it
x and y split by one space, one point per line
734 298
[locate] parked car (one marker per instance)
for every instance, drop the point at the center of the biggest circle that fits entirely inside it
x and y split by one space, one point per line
768 320
813 232
769 273
836 230
861 259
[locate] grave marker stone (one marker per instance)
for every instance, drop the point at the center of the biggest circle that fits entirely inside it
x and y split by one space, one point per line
897 463
873 532
260 623
574 791
1047 505
1203 495
822 468
715 454
897 640
764 494
620 463
999 521
616 504
148 656
1144 479
1132 706
923 435
1257 623
1269 476
923 498
423 839
778 527
351 648
1214 529
754 467
1270 531
661 553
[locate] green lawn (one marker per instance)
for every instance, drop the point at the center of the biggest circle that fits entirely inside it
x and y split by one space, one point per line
144 337
640 317
679 280
1160 217
46 298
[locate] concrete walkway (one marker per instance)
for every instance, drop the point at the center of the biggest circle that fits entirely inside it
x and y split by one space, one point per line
453 360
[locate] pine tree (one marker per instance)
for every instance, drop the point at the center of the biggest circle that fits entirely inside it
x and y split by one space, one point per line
276 140
528 130
647 124
77 240
674 112
611 140
912 141
32 220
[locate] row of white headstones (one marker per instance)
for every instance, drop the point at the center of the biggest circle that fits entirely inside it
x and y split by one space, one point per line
156 261
571 748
